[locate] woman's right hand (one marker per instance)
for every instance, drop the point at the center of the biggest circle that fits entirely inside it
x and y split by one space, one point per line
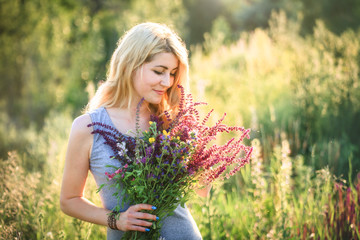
134 220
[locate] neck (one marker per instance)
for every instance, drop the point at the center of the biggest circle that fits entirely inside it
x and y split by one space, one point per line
143 109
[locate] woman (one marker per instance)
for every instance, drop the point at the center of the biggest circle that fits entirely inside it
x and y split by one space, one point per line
149 62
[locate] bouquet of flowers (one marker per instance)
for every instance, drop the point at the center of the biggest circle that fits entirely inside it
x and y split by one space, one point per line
161 166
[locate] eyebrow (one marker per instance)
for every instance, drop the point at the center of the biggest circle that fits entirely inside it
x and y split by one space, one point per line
165 67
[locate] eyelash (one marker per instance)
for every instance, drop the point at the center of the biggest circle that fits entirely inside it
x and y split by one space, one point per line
159 73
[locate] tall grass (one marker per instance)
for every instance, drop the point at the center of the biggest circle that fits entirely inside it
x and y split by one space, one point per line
285 200
30 188
279 82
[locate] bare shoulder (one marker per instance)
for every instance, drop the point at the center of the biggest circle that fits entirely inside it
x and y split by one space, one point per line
80 139
81 123
80 129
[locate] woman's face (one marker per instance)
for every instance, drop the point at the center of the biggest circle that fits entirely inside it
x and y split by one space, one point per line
153 78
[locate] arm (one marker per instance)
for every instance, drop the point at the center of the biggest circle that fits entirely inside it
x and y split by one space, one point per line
72 200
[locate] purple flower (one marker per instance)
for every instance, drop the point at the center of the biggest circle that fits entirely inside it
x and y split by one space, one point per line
150 175
148 151
180 154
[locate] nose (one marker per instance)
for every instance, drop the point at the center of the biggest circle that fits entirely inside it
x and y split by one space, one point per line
166 80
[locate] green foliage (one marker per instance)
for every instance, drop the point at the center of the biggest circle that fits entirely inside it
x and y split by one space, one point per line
18 197
337 16
280 83
201 14
30 184
57 49
285 200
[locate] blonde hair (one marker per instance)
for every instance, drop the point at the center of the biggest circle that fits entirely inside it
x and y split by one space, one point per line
138 46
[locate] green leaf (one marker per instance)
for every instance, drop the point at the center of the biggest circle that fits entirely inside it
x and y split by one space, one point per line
101 186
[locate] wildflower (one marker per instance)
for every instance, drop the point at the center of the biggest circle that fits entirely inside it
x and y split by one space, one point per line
121 148
110 176
179 154
150 175
148 151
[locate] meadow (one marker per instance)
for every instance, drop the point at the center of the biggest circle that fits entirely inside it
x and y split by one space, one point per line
299 95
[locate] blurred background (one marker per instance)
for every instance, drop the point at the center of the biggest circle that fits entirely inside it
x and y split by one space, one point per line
289 70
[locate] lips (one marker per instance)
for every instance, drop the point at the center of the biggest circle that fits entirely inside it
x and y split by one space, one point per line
160 92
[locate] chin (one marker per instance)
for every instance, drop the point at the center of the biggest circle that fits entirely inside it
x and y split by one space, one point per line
154 101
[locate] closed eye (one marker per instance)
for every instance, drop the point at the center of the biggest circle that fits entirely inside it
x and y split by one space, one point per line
160 73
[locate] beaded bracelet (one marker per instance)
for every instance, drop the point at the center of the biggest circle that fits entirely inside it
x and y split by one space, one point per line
112 220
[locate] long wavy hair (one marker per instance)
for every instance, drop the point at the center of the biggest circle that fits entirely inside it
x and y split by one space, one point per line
138 46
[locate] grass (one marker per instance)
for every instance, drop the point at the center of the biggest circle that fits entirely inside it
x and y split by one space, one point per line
283 200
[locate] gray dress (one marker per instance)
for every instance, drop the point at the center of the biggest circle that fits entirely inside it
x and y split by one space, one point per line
181 225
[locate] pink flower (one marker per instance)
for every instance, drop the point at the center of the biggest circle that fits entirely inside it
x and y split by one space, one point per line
110 176
126 166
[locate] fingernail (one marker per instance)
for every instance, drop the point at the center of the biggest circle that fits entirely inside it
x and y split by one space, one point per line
157 218
146 229
153 208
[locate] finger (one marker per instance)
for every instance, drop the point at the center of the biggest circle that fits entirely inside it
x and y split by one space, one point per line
138 228
141 223
141 215
143 206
